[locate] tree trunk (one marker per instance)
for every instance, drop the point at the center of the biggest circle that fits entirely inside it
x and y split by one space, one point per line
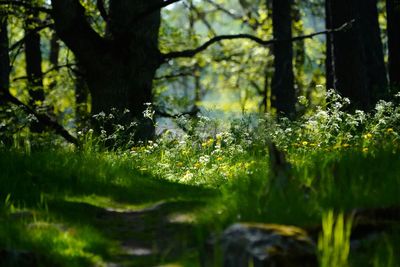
373 50
349 77
393 32
33 58
53 57
81 99
299 50
355 64
54 50
4 57
119 70
329 62
282 87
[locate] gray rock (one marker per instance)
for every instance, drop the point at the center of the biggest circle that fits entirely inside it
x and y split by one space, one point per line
267 245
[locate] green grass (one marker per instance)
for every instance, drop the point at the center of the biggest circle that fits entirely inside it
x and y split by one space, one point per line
93 207
53 199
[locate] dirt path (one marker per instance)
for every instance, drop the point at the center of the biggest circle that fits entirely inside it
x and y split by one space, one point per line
159 233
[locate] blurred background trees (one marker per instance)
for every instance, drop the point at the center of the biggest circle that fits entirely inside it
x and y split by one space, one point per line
68 59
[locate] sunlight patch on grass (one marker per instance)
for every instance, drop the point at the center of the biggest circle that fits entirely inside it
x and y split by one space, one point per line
110 204
54 242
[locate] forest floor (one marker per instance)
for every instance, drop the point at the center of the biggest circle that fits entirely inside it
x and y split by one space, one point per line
51 217
72 209
160 203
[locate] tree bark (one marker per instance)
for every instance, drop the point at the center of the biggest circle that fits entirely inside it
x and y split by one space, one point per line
393 32
54 50
349 73
33 59
373 50
119 70
81 99
299 51
282 87
329 62
4 57
355 66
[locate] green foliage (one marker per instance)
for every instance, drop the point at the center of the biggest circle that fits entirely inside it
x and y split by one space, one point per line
223 166
334 242
208 172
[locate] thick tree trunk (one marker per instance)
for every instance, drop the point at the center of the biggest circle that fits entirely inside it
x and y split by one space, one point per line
33 58
355 64
393 32
372 50
119 70
4 58
349 76
282 87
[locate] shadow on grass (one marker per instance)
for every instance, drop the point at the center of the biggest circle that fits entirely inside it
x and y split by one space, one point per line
58 175
127 210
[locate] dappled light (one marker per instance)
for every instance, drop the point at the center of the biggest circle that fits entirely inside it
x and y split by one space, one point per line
193 133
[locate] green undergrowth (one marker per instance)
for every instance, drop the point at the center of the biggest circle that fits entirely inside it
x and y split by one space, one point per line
96 206
50 201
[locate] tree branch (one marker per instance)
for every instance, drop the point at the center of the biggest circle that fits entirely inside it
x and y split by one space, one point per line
202 17
103 12
42 118
174 75
193 52
73 28
192 112
27 35
69 66
224 10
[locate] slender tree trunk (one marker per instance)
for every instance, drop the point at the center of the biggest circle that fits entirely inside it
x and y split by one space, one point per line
4 76
53 57
329 63
355 64
54 50
264 101
282 87
393 32
120 70
299 52
81 99
4 57
33 58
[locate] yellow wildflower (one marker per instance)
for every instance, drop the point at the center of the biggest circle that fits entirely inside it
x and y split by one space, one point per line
207 143
389 130
365 149
304 143
368 136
